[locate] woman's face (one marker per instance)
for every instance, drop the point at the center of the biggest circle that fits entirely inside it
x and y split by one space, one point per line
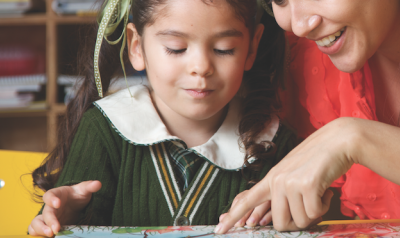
349 31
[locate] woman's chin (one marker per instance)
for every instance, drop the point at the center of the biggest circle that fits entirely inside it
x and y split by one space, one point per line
348 64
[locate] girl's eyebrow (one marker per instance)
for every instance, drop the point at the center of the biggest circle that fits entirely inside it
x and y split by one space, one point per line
227 33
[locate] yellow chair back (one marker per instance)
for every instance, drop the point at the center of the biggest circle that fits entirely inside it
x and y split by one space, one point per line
17 207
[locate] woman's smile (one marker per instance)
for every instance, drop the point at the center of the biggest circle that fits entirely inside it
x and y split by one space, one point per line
349 31
333 43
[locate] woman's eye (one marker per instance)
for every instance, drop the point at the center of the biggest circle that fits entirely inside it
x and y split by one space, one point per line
277 2
224 52
174 52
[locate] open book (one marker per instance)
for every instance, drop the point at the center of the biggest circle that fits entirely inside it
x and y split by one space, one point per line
347 229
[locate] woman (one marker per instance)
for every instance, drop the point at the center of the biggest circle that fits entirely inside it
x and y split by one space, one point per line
345 70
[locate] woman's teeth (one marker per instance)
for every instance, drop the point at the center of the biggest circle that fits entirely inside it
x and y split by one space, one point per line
329 40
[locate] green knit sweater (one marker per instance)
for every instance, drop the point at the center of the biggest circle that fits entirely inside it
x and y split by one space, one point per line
132 194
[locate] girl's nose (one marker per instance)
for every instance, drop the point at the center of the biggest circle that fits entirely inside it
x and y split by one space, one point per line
304 20
201 65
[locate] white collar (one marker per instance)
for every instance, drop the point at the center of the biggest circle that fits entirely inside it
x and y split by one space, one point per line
138 122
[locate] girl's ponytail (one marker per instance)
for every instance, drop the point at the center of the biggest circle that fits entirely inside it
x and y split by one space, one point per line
48 173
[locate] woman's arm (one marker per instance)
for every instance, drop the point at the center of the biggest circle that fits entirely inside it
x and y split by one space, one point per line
297 186
378 148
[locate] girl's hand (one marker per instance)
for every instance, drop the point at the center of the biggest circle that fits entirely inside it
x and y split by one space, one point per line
62 207
297 187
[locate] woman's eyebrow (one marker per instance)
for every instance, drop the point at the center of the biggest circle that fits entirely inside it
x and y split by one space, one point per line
227 33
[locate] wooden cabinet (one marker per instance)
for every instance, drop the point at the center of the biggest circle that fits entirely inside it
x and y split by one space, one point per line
36 130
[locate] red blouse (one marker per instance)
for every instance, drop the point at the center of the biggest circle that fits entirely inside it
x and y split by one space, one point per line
325 93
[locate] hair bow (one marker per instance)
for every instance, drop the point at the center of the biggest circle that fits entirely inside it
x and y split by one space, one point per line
114 12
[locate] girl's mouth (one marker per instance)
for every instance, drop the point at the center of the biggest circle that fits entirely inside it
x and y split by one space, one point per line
198 93
330 40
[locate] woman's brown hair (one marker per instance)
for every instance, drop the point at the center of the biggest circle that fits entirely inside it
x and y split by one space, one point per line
260 84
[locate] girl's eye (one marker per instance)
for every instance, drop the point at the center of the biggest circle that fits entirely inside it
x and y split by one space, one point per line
174 52
224 52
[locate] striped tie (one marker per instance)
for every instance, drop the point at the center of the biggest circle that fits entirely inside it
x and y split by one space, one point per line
185 163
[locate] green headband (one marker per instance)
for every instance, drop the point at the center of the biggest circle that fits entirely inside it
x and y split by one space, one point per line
116 11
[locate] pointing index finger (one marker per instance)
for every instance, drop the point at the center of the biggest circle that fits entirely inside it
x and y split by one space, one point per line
254 197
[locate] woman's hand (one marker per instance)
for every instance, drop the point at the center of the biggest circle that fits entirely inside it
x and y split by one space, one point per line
62 207
297 187
261 215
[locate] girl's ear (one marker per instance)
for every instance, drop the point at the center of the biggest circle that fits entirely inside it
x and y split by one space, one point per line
251 57
135 52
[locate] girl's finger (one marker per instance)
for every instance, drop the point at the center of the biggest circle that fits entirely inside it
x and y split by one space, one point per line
50 219
51 198
39 228
258 213
86 188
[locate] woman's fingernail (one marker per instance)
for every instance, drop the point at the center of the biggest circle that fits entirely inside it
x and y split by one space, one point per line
240 223
251 221
218 228
263 222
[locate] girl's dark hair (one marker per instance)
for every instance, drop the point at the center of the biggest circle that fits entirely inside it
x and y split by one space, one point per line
260 84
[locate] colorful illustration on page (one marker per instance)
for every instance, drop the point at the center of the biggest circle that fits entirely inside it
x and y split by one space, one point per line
343 230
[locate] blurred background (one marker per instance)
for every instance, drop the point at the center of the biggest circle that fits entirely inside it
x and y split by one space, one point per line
39 44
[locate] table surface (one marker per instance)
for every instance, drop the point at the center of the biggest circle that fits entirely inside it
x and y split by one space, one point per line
326 229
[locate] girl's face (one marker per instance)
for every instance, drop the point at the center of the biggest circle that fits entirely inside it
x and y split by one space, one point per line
195 55
349 31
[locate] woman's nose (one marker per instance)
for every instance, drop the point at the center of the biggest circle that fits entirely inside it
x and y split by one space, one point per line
304 20
201 64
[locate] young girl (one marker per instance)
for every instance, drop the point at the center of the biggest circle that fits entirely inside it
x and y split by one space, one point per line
179 152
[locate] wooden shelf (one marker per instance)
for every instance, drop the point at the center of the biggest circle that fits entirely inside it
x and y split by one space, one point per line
74 19
59 108
29 19
23 113
42 19
46 28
